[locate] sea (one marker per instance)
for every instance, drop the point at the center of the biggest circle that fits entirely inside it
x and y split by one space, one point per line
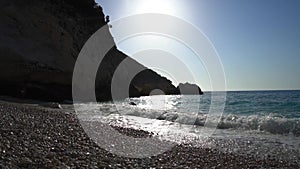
263 124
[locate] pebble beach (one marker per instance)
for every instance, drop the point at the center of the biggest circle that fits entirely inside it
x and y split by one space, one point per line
32 136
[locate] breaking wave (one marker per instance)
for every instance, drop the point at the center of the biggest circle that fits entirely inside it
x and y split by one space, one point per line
272 123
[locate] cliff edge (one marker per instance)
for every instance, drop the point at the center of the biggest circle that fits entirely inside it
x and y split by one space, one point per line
39 45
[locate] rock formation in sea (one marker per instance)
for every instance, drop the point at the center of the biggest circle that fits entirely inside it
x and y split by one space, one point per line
189 89
40 41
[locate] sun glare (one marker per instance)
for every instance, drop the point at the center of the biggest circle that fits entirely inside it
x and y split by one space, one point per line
170 7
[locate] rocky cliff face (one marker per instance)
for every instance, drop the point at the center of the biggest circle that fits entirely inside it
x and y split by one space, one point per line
40 41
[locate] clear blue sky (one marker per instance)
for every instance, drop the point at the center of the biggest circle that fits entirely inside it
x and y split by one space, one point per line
258 41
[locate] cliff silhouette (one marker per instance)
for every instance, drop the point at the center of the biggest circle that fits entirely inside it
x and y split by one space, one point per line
40 41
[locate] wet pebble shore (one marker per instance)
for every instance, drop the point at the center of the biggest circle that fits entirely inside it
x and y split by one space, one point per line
35 137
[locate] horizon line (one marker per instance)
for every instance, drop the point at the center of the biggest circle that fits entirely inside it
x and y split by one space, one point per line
252 90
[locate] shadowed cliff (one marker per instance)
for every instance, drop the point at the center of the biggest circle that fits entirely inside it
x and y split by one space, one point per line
39 44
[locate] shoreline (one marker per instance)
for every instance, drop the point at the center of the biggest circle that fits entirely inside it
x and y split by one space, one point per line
36 137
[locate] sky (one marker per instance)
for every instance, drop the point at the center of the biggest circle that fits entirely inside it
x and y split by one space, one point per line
258 41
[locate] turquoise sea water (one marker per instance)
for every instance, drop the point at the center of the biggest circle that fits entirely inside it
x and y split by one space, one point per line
277 112
274 112
282 103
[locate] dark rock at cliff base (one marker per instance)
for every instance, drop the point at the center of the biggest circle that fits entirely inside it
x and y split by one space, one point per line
39 44
51 105
189 89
